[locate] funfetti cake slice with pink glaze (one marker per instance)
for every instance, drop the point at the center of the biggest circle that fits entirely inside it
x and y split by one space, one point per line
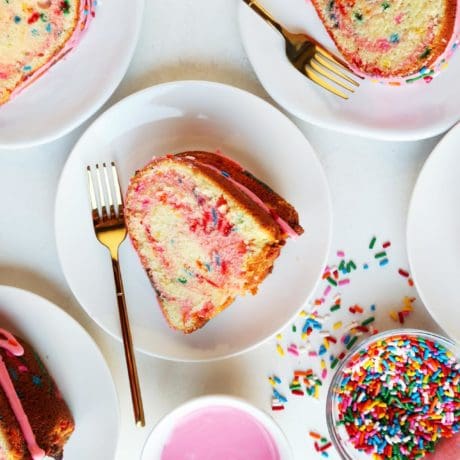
34 35
206 231
390 38
35 420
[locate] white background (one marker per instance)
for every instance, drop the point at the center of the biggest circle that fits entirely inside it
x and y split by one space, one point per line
371 183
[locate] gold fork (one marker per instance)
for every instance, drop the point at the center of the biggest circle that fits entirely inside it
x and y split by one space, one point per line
110 229
310 58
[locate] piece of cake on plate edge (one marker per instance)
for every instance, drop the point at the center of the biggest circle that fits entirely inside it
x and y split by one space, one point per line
35 35
35 420
393 40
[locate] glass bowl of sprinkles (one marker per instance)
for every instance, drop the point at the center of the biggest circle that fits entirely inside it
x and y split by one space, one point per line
395 396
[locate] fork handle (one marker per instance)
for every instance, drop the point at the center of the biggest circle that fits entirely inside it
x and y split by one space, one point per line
128 347
264 14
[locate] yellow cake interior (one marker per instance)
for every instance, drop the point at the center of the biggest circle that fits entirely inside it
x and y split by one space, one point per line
31 33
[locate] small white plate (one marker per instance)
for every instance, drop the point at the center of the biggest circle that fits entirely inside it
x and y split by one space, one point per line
177 117
160 434
75 363
77 86
409 112
433 234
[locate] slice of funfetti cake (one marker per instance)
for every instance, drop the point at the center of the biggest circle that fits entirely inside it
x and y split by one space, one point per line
389 38
34 35
206 231
35 420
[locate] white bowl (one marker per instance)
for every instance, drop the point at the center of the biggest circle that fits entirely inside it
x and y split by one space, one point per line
162 431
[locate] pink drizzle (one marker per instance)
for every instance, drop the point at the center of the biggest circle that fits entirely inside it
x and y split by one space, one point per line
281 222
10 344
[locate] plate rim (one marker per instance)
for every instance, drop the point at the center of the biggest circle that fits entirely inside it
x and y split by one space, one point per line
67 317
437 151
329 212
100 100
383 134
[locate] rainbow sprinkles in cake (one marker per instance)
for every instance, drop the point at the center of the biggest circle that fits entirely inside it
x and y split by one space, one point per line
393 41
35 35
35 421
206 231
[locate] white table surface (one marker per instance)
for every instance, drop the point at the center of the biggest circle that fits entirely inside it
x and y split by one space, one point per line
371 183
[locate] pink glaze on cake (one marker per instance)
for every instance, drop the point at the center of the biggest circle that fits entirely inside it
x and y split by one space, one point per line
281 222
220 432
10 344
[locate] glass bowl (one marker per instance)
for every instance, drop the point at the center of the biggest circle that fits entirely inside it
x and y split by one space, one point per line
338 432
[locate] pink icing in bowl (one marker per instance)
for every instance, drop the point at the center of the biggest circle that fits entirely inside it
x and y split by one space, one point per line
214 427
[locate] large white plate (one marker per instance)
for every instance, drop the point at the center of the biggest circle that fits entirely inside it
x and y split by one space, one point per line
75 363
408 112
177 117
73 89
433 234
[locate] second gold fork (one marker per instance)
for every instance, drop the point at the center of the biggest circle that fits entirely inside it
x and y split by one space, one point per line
311 58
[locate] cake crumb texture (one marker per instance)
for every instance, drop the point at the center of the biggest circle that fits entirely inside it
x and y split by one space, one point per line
34 34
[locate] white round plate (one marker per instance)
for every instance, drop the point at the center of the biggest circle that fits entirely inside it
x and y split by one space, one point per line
408 112
75 363
77 86
160 435
177 117
433 234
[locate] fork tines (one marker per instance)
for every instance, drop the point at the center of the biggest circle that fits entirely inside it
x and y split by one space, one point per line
323 64
107 202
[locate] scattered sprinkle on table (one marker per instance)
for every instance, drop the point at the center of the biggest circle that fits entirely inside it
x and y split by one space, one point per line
322 444
279 349
404 312
327 329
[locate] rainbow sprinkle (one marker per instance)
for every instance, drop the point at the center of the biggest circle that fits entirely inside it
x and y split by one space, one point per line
399 397
311 383
311 323
322 444
279 349
406 310
329 326
406 274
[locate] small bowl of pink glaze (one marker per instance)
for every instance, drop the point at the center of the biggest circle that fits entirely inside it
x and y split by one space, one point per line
217 427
